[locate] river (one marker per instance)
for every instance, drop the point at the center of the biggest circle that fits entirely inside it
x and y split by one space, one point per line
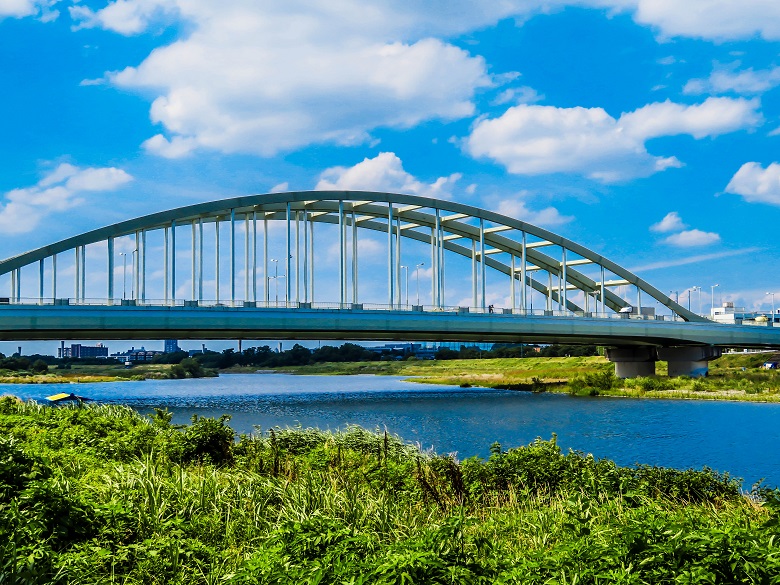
739 437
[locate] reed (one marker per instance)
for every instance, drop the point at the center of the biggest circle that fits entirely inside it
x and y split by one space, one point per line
307 506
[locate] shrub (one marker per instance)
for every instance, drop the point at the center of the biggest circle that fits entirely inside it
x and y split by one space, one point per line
39 367
209 440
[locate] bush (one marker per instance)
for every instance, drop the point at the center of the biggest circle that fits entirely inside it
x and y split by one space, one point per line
592 384
209 440
39 367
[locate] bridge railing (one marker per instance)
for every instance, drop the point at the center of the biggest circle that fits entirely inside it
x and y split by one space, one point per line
213 304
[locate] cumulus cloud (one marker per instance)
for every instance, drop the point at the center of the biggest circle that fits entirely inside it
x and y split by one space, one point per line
730 79
670 223
271 77
757 184
384 172
127 17
518 209
708 19
61 189
692 238
532 139
22 8
263 78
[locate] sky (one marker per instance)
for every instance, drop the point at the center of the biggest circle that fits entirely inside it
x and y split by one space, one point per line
645 130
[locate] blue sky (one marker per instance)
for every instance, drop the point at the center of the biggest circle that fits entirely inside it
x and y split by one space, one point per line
648 130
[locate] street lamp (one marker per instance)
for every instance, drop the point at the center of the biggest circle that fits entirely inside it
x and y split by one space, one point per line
124 274
773 306
407 283
712 289
276 280
417 272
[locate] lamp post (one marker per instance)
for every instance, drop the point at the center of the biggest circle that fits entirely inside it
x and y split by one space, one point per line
124 274
773 306
699 289
417 272
407 283
712 289
276 280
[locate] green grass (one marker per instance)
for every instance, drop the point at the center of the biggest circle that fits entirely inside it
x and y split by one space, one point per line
99 494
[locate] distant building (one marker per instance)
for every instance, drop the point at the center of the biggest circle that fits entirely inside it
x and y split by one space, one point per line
728 313
137 355
76 350
171 346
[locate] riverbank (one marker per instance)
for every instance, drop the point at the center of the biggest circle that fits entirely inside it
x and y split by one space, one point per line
736 377
88 373
94 494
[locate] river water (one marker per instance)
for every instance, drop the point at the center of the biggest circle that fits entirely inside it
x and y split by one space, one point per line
739 437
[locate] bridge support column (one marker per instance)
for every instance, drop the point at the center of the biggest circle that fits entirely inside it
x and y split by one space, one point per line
688 361
633 362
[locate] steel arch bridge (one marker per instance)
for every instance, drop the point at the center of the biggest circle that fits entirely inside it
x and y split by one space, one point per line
575 290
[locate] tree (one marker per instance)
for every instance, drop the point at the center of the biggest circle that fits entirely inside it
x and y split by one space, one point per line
39 367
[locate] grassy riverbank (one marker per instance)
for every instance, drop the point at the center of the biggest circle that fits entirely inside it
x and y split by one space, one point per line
732 377
100 495
84 373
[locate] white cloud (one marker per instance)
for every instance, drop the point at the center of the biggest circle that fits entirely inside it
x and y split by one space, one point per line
518 95
670 223
694 259
126 17
713 117
757 184
384 172
23 209
731 80
274 76
531 139
692 238
708 19
267 77
21 8
280 188
518 209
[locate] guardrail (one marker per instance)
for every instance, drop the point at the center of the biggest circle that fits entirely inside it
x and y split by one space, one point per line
496 312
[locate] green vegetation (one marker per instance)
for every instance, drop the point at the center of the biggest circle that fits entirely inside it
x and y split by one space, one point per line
39 372
99 494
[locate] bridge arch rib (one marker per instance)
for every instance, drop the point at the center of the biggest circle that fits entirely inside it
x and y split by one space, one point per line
507 245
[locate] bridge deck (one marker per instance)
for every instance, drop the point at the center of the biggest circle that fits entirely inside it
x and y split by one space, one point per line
54 322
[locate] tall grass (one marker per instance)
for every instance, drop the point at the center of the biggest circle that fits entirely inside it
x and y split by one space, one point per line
191 505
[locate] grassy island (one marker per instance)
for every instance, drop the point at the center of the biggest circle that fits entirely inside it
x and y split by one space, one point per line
107 372
100 494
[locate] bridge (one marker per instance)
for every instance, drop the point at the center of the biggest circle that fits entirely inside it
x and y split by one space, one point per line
485 277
